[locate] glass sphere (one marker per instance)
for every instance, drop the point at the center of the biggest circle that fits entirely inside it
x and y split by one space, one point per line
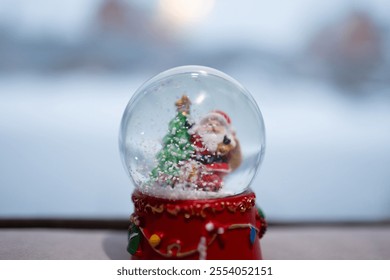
192 132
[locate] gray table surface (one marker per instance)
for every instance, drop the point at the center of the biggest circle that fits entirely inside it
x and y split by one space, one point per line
287 242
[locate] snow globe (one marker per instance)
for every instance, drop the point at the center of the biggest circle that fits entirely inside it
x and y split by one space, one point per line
192 139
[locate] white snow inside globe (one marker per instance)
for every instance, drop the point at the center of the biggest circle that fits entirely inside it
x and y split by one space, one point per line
192 132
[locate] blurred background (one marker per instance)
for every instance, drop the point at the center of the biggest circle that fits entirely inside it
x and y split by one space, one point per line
320 72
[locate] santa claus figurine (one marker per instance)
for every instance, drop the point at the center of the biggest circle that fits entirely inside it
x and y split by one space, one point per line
217 150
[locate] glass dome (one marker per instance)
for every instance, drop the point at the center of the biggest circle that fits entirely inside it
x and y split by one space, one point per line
192 132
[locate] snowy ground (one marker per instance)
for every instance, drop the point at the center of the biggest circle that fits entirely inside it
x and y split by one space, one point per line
327 155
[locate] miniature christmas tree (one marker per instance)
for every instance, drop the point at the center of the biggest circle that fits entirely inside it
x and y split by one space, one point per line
177 148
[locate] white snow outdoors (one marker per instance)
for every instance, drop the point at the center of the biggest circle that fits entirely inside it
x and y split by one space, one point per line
327 156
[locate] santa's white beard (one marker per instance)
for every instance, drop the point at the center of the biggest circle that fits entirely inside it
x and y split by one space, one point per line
211 140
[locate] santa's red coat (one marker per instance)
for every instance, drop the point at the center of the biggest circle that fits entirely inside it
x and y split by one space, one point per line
220 164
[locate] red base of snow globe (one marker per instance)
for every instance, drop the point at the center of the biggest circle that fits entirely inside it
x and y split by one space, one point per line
216 228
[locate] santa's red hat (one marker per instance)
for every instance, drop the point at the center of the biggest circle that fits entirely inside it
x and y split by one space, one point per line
220 116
